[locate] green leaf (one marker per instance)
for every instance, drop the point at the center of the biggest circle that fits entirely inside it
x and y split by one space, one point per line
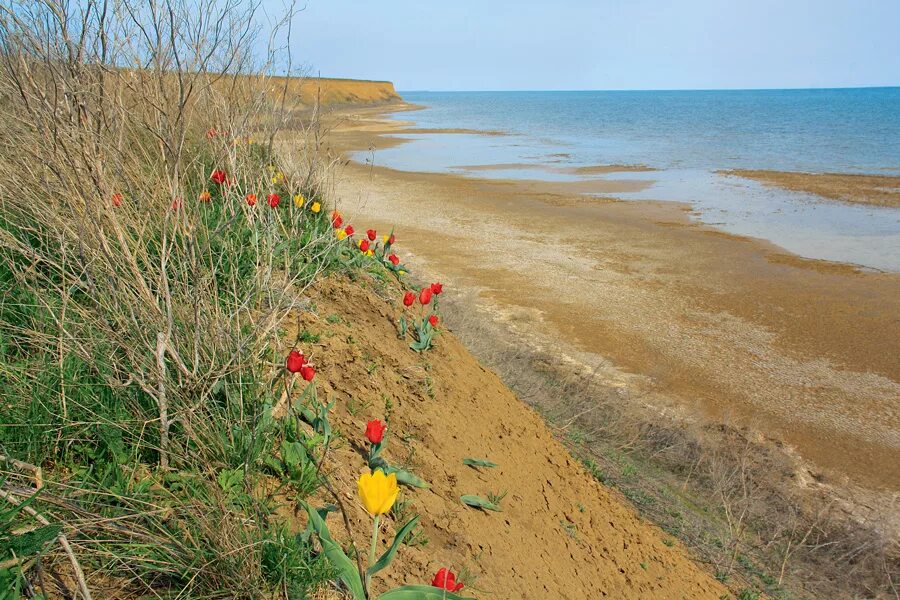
403 477
229 479
293 454
388 555
408 479
346 568
323 513
420 592
424 334
274 464
31 542
479 462
479 502
379 463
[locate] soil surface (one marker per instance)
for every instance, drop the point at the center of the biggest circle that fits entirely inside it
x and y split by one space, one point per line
560 535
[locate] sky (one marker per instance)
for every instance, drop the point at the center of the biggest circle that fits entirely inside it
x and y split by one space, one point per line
601 44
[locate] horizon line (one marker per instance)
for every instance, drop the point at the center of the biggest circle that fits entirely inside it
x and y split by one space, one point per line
748 89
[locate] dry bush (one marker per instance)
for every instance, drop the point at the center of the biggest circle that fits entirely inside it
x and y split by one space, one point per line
136 361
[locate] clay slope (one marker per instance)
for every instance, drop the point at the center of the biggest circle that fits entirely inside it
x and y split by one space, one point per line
332 92
561 534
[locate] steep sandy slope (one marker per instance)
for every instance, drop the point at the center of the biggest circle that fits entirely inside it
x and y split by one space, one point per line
561 534
330 92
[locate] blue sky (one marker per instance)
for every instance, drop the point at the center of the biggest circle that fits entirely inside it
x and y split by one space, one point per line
613 44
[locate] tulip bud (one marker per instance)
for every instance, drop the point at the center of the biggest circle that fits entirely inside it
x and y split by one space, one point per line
371 234
395 260
408 299
437 288
425 295
375 431
349 230
446 580
274 200
117 200
218 176
205 196
295 361
364 245
307 372
433 319
251 199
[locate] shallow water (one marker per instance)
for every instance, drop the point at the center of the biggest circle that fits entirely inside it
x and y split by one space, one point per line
687 136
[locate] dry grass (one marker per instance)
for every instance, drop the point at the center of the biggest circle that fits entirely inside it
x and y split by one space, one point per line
136 355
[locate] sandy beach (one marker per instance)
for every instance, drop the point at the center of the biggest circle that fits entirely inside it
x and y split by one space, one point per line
690 318
874 190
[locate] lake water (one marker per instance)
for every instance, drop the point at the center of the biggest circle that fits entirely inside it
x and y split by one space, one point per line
686 136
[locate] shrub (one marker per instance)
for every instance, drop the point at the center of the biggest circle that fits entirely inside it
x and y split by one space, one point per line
141 292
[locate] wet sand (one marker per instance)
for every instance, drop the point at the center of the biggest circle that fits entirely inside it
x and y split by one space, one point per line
687 317
875 190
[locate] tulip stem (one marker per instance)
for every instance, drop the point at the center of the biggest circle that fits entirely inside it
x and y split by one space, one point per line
375 528
374 540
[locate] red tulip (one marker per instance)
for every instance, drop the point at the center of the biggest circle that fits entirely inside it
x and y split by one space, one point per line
176 204
295 361
446 580
349 230
218 176
375 431
371 234
336 220
408 299
251 199
391 240
425 295
211 133
394 259
437 288
274 200
117 200
307 372
364 245
433 319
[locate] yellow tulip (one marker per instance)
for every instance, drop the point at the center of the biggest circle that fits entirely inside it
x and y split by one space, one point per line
378 491
401 272
316 207
385 238
341 234
299 200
